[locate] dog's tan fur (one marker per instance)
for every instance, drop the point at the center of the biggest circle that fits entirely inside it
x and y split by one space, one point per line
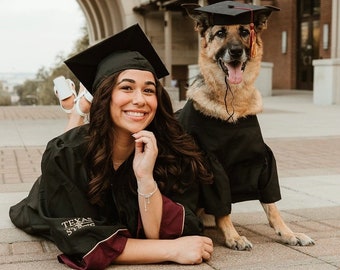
208 97
208 94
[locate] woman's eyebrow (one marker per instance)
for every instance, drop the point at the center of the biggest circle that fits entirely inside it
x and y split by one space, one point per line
150 83
133 81
126 80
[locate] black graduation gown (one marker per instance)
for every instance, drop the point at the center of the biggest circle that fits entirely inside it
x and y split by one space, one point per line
89 236
244 167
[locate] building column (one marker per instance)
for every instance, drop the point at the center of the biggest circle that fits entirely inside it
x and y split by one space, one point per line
168 45
335 36
326 82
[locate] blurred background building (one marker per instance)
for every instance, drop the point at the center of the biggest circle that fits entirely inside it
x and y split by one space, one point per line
301 44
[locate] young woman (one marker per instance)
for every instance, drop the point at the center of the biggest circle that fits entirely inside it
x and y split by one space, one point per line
124 188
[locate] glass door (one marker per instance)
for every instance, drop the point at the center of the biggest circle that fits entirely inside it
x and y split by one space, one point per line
309 40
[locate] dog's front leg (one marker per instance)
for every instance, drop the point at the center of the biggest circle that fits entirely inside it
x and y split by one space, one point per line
232 239
281 229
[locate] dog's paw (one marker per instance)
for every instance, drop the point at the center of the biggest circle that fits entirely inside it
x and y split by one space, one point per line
239 243
298 239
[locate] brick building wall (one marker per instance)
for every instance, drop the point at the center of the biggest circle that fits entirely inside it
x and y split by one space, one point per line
184 42
284 64
325 18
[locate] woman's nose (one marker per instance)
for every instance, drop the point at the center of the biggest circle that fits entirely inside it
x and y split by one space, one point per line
138 98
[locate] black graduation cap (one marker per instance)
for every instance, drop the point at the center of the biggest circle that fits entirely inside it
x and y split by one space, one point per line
230 12
129 49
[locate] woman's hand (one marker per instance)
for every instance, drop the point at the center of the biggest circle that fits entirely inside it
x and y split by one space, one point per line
184 250
192 249
146 152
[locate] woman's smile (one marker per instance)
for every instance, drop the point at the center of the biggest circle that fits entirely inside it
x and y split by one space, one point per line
135 114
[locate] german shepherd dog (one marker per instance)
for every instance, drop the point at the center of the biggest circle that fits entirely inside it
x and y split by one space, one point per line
220 113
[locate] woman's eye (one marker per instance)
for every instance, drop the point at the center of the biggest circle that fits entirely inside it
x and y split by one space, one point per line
126 87
150 90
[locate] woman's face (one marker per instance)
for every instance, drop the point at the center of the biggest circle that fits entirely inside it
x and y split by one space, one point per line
133 101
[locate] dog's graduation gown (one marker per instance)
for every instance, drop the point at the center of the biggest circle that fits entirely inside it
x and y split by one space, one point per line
89 236
244 167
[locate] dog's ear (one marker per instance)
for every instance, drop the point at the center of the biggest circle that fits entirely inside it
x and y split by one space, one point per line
261 19
190 9
201 19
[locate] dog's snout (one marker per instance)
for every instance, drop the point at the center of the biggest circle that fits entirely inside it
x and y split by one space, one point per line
235 51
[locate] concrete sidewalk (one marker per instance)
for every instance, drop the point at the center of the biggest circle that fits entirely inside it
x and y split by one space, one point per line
304 137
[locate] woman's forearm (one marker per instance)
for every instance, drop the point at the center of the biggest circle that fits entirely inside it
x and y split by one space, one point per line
150 208
183 250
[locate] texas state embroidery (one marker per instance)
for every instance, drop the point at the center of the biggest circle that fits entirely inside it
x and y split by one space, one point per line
75 224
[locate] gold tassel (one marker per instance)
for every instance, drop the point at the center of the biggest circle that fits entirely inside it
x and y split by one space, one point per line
252 41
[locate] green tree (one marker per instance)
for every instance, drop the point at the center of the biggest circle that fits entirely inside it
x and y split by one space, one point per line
27 92
5 98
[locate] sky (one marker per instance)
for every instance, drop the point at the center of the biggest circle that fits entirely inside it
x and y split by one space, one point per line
34 32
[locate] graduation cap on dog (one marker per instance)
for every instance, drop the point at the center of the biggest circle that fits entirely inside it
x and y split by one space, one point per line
129 49
231 13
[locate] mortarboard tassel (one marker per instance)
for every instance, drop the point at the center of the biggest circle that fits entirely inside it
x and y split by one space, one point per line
252 41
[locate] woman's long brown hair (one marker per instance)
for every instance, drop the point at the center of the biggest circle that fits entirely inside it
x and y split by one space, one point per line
179 162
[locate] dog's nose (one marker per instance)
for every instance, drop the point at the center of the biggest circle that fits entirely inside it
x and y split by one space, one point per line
235 51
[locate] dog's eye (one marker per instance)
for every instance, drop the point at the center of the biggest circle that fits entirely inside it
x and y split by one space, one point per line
244 33
221 34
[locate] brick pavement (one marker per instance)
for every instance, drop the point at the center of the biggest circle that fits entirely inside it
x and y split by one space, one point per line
20 165
30 112
307 155
295 157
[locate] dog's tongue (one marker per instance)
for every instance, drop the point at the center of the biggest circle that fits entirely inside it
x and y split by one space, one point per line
235 74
